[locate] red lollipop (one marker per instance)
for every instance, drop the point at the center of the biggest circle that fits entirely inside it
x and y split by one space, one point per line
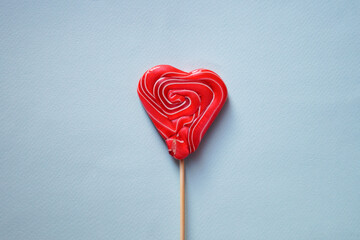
182 105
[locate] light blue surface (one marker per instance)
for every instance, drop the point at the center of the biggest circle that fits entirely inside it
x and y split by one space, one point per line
80 159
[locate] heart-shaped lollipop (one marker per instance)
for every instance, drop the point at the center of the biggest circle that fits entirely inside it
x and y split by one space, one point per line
182 105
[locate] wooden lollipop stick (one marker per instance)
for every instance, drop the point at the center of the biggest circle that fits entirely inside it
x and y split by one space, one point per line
182 199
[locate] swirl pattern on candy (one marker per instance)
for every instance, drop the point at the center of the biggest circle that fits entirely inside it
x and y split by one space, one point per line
182 105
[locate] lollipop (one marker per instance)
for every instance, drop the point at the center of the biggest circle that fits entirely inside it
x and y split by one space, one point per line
182 106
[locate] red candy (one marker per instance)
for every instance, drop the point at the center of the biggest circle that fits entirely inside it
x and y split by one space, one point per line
181 105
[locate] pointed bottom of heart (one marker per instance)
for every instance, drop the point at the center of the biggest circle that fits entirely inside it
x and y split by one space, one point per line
178 144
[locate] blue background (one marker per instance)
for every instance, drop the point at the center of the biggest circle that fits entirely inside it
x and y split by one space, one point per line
80 159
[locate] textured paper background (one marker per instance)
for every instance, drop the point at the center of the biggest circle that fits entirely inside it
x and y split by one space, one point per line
80 159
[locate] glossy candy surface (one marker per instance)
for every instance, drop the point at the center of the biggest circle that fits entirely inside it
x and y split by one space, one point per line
182 105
